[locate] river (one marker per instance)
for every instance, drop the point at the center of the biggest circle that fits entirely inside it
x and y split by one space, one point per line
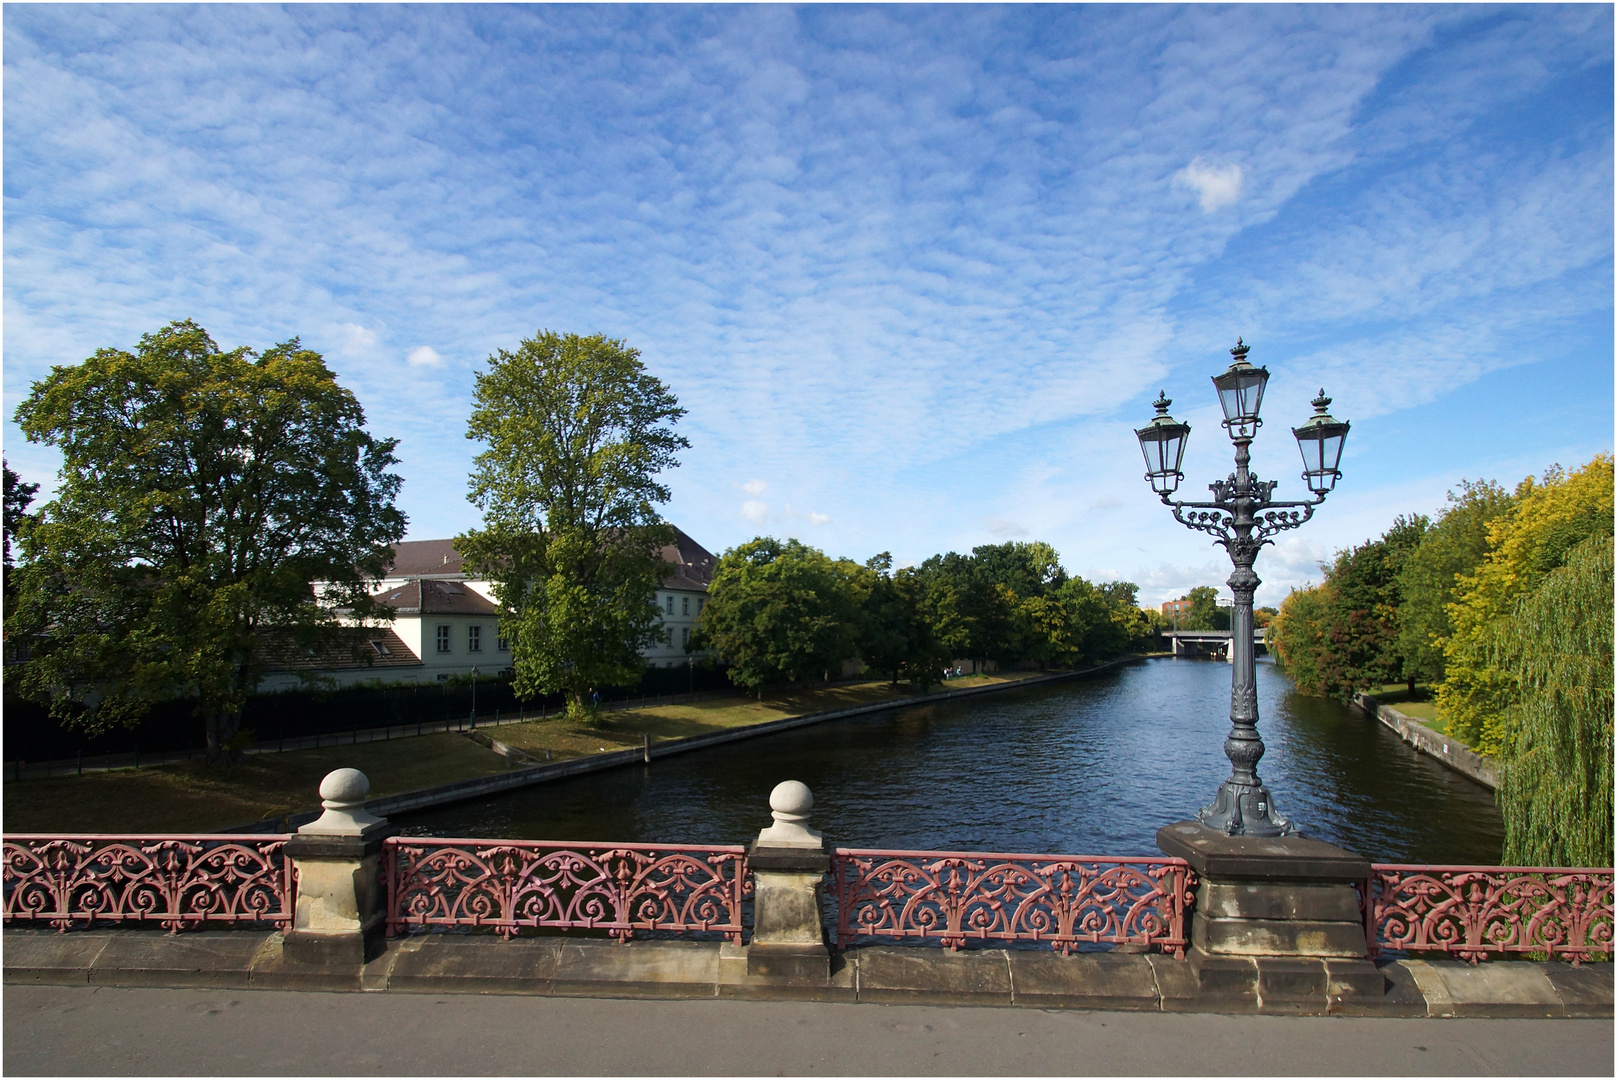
1089 767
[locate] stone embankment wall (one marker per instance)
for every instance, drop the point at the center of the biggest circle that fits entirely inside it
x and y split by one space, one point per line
1445 748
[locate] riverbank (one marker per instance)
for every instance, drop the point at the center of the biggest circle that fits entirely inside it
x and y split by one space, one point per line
269 792
1432 741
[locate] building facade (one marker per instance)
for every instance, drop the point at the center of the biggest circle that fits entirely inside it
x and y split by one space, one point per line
447 623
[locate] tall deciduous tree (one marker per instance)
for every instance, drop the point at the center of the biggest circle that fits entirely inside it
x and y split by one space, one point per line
781 611
1550 518
202 493
577 435
1555 791
1454 545
17 497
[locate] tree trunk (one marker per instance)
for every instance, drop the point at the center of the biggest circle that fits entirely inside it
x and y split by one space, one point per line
221 726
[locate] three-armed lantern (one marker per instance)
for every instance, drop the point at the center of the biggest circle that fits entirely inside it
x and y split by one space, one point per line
1242 517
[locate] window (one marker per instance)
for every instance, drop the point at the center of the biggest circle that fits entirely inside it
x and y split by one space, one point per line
699 602
474 639
443 637
502 644
684 605
381 648
670 637
670 603
686 635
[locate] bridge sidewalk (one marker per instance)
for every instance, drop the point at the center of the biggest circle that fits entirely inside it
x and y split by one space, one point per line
584 967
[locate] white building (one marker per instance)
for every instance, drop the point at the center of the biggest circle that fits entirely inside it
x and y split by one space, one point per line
447 623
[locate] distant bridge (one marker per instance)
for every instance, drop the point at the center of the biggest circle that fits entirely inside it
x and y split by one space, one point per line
1212 642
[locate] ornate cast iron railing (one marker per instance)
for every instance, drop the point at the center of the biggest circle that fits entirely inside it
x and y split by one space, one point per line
508 885
175 881
1479 912
1066 900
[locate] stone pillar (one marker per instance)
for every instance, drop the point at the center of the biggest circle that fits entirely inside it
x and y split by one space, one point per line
340 917
1277 920
789 862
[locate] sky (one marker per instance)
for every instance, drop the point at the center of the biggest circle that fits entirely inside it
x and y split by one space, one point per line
915 273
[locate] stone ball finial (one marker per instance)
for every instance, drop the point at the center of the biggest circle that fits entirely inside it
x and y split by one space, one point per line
342 795
791 799
344 787
789 804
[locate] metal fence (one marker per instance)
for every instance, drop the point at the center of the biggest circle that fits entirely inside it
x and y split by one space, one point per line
1484 912
1066 901
509 886
178 882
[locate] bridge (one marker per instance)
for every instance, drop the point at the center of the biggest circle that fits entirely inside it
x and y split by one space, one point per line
1212 642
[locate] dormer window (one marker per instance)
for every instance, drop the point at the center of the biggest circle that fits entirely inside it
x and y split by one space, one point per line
381 648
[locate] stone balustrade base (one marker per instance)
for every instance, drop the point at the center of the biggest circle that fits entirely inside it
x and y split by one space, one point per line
585 967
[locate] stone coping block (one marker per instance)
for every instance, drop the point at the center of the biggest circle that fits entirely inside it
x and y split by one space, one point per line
592 967
1218 857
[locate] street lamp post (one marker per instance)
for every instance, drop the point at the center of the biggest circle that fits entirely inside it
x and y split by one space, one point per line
1242 516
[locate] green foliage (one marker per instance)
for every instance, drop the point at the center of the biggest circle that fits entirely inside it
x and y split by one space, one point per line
1453 546
1204 613
577 433
895 635
1342 637
201 494
1556 652
17 497
1297 636
1549 519
781 611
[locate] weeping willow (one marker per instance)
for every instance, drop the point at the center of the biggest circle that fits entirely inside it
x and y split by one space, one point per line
1556 789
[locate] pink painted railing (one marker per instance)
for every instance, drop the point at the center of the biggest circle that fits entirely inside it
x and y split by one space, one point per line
507 885
1065 900
1481 912
175 881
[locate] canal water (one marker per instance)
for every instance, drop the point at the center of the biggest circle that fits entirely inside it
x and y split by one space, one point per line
1085 767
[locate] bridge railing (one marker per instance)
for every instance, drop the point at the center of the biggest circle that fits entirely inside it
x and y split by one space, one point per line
176 881
511 885
954 899
1488 912
1066 901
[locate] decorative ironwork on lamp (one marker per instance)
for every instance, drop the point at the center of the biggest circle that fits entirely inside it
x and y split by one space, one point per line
1242 517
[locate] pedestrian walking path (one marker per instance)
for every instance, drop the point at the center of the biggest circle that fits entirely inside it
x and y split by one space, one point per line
86 1030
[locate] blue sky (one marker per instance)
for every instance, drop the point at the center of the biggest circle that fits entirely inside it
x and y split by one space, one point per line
915 272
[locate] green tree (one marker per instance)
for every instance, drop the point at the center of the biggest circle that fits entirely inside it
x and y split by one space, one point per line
895 635
781 611
1361 640
1555 791
17 497
1297 636
1453 546
1204 613
577 433
202 492
1550 518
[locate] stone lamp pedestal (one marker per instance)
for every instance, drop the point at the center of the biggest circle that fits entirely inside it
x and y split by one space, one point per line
789 862
1277 919
341 913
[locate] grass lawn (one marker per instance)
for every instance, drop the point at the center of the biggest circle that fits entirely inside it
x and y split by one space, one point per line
629 727
1421 707
194 797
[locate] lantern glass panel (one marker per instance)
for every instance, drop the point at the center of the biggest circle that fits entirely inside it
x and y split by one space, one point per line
1240 395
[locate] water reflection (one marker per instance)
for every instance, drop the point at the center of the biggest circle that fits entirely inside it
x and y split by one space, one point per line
1092 766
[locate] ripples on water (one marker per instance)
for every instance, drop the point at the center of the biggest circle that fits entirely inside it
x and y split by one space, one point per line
1091 766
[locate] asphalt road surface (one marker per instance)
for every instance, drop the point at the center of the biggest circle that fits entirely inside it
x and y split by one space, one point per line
55 1030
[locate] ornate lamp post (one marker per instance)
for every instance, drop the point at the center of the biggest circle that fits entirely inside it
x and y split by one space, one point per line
1242 516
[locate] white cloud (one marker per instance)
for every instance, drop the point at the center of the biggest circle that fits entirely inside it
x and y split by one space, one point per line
818 519
754 511
424 356
1003 529
1215 185
754 488
354 339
